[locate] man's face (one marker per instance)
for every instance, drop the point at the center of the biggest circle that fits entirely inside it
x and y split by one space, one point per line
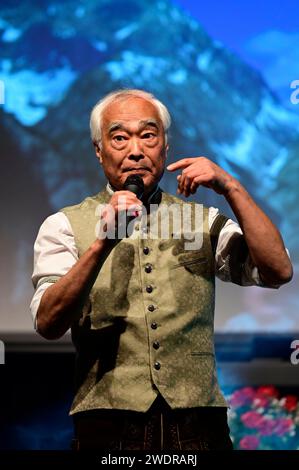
133 142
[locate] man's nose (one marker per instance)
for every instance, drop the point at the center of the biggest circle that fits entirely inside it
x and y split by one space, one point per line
135 150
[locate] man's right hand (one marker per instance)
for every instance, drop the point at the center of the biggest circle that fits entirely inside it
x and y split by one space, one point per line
121 201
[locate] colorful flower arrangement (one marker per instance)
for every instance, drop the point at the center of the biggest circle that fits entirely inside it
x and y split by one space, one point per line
261 420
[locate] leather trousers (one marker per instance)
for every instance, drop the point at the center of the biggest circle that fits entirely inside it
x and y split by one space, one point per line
160 428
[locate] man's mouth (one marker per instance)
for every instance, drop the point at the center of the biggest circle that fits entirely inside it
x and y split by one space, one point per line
137 169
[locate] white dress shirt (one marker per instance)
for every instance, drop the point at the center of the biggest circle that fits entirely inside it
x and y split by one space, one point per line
55 253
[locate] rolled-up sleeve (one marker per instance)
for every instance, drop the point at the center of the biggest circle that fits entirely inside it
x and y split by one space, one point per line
233 262
55 253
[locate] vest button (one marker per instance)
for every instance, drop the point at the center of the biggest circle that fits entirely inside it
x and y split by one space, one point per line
157 365
151 308
154 325
156 344
148 268
146 250
149 289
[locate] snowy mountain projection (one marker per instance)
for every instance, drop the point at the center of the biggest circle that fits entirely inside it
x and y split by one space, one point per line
59 58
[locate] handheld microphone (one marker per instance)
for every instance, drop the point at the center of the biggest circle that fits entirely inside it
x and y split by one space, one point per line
135 184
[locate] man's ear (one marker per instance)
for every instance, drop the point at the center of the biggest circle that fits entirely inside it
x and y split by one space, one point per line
98 152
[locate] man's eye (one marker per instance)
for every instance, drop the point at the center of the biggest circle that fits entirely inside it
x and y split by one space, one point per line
148 135
119 138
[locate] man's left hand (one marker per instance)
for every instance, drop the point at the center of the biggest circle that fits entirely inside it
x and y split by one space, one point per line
198 171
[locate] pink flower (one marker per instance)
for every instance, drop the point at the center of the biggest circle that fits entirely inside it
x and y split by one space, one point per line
249 443
282 426
242 397
252 419
261 402
267 426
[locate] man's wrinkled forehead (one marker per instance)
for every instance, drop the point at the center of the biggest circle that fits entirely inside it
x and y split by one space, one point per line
131 112
140 125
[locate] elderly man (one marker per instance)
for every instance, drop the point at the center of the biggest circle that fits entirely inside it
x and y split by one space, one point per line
141 308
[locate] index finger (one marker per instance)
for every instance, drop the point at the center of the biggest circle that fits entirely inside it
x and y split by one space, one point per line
183 163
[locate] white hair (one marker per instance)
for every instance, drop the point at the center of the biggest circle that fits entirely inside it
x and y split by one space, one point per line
98 109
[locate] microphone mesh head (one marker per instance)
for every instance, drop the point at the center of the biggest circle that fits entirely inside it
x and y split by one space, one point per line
135 184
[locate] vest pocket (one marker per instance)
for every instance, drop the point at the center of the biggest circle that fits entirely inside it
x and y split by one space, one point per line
197 265
200 353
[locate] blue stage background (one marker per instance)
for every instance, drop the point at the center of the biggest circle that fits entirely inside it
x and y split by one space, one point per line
229 92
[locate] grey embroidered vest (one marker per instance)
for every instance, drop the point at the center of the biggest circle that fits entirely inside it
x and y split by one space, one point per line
147 327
